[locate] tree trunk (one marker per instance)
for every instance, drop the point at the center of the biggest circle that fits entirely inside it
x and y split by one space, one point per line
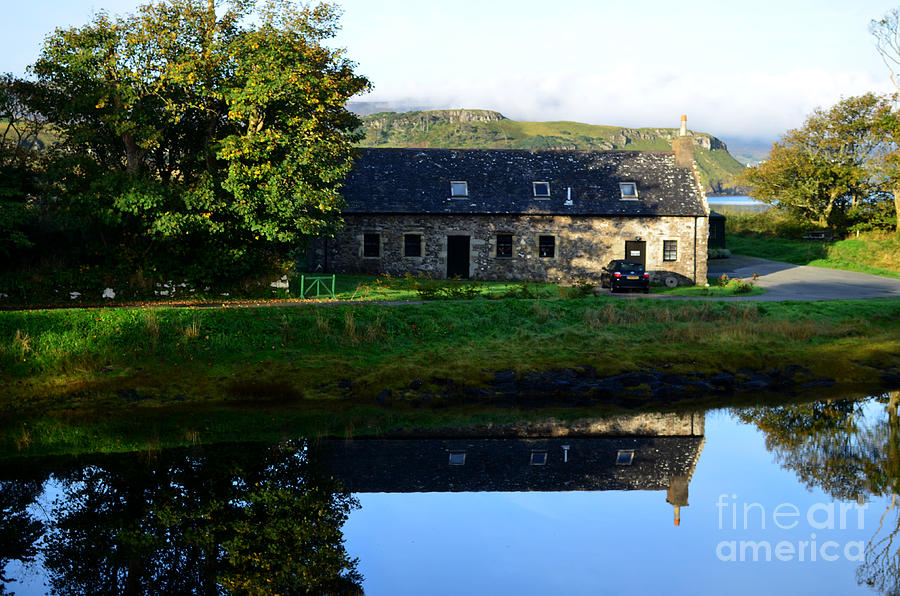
897 207
133 154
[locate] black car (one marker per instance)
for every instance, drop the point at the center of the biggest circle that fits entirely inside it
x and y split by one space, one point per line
621 274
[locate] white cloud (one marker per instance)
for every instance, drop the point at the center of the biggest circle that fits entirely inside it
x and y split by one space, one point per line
745 104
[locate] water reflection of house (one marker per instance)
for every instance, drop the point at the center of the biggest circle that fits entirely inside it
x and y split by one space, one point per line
646 452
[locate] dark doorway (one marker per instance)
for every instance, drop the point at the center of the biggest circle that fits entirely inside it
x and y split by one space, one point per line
458 257
636 250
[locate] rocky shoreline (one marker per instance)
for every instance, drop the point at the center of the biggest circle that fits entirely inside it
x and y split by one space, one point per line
582 387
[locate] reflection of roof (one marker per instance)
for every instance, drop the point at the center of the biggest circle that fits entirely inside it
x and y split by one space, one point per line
377 465
500 181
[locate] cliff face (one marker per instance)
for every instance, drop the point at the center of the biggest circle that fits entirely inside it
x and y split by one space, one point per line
486 129
411 121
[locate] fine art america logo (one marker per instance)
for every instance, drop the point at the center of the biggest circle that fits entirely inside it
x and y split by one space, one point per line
813 524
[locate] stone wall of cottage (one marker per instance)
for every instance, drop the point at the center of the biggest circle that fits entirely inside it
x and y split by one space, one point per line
583 245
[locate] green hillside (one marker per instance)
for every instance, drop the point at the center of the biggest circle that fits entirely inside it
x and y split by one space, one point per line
484 129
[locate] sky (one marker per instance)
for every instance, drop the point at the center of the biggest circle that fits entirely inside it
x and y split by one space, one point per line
748 70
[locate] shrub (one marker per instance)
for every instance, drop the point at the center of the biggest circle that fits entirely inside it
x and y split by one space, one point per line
451 289
770 223
522 290
739 286
581 288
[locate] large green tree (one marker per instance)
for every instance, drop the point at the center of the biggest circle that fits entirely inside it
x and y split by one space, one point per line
827 172
201 132
20 162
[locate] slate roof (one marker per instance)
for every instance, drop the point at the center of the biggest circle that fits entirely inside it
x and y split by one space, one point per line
497 465
416 181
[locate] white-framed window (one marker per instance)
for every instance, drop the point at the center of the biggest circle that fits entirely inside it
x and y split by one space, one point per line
457 458
541 190
670 250
459 189
624 457
628 191
538 458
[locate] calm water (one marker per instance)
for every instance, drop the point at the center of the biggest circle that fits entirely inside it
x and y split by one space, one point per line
792 499
737 203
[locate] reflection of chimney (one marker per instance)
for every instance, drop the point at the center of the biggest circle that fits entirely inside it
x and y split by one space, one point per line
684 147
678 495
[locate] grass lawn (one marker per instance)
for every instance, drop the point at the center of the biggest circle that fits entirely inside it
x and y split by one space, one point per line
388 288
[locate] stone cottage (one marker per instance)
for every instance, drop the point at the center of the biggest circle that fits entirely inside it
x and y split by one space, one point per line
521 215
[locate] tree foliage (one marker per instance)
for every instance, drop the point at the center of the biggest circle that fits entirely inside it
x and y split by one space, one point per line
197 133
833 171
20 163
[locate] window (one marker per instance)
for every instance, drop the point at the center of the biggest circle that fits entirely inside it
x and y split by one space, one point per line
628 190
538 458
457 458
504 246
670 250
412 245
625 457
371 245
459 189
541 190
547 247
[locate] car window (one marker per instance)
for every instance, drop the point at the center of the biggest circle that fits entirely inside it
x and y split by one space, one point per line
635 267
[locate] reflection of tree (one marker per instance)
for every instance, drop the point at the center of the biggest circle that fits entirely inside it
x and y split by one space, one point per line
818 441
251 521
833 445
19 530
881 568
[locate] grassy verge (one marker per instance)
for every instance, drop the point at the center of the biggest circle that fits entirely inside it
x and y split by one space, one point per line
77 378
717 288
75 359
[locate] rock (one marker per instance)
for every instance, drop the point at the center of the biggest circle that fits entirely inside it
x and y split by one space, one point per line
723 380
504 376
818 383
384 398
637 378
757 382
891 379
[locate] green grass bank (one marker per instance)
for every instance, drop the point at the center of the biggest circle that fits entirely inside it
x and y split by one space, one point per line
125 378
80 358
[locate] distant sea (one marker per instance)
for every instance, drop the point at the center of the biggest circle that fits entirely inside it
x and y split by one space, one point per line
737 203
